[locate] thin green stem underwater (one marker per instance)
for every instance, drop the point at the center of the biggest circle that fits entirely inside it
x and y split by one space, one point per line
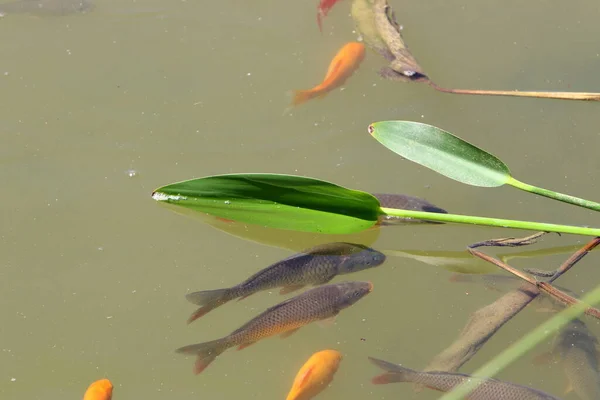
496 222
527 343
592 205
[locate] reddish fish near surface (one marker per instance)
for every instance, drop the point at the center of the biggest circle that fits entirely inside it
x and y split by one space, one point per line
322 10
99 390
315 375
285 318
343 65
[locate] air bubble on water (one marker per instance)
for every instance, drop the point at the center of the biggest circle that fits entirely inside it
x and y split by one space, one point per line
5 72
227 202
11 379
131 173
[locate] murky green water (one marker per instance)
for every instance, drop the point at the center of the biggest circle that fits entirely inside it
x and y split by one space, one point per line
93 273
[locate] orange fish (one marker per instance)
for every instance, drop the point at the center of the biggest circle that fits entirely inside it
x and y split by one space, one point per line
99 390
343 65
315 375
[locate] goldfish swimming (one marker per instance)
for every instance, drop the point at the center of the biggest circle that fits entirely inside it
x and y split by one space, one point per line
576 348
489 389
315 375
405 202
285 318
99 390
343 65
315 266
322 10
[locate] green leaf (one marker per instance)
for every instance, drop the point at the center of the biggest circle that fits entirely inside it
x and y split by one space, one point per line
277 201
442 152
451 156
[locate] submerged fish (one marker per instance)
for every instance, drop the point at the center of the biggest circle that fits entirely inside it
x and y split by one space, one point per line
406 202
99 390
343 65
576 349
322 10
315 375
285 318
489 389
46 7
315 266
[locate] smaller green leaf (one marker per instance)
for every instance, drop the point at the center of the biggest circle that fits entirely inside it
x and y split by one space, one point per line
442 152
276 201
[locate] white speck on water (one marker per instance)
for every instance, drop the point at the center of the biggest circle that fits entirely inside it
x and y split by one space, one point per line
68 52
158 196
249 74
131 173
227 202
109 317
100 248
401 27
13 379
5 73
134 291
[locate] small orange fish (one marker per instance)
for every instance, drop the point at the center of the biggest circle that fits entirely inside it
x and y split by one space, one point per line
99 390
343 65
315 375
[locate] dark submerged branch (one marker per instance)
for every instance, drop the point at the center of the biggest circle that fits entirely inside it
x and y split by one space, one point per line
485 322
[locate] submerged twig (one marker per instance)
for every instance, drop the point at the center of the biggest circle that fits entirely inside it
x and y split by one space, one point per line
486 321
518 93
545 287
509 242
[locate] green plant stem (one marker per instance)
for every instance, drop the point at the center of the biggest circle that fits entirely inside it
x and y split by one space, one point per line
519 348
501 223
592 205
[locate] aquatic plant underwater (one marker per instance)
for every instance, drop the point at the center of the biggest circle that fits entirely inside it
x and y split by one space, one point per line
305 204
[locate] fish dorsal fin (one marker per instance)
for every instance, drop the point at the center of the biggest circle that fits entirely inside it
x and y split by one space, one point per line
334 67
305 376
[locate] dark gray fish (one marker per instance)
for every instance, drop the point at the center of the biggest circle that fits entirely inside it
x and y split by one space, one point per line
315 266
46 7
406 202
489 389
576 349
285 318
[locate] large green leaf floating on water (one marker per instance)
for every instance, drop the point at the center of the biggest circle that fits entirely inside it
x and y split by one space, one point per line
276 200
451 156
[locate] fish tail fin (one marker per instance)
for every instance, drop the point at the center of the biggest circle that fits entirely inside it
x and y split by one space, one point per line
394 372
302 96
205 352
207 300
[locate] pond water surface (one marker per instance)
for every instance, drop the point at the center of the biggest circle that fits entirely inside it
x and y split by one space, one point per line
99 109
